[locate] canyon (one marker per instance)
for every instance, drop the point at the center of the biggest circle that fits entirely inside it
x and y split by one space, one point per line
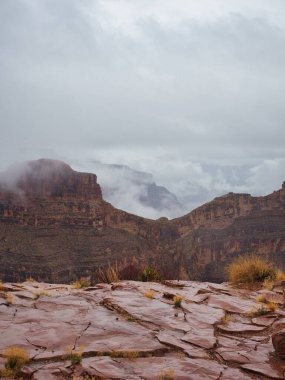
56 227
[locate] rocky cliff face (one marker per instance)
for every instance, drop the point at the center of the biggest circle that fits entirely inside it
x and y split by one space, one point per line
55 226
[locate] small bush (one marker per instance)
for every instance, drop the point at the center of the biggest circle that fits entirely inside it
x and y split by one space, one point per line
150 274
15 358
74 356
272 306
250 270
177 301
227 318
109 275
149 294
83 282
258 312
168 374
261 298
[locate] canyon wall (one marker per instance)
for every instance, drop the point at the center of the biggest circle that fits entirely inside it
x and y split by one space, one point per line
55 226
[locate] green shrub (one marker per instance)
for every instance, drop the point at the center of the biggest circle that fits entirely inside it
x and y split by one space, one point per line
150 274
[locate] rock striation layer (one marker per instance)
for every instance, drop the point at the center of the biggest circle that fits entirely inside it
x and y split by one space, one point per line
56 227
123 333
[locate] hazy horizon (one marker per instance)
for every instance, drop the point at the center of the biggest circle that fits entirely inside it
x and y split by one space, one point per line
190 92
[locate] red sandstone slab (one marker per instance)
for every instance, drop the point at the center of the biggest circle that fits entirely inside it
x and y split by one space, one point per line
168 338
267 369
201 337
238 327
232 304
263 321
181 368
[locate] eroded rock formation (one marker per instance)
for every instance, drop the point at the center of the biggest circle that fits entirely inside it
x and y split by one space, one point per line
123 333
55 226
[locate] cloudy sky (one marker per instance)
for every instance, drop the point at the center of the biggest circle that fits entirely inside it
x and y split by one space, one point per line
190 91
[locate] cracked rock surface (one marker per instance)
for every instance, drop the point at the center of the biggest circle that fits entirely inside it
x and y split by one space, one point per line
132 330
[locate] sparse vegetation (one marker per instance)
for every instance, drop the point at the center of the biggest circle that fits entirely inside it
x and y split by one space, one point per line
83 282
125 354
75 356
16 357
258 312
227 318
40 294
251 270
150 274
109 275
268 284
9 298
177 300
149 293
30 279
261 298
280 276
168 374
272 306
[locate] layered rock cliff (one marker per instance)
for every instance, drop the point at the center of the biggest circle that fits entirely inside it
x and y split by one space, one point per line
55 226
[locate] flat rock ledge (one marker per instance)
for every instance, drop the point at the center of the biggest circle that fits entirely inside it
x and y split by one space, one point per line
132 330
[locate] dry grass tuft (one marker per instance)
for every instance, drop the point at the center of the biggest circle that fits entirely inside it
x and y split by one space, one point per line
261 298
250 270
109 275
272 306
9 298
168 374
258 312
83 282
16 357
75 355
280 276
177 300
227 318
149 293
125 354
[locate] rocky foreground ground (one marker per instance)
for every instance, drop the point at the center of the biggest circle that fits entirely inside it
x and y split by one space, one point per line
132 330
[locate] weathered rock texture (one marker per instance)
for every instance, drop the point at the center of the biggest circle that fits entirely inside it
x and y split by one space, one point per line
55 227
124 334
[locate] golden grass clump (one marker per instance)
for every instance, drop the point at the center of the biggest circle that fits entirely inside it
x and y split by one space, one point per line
16 357
75 355
149 293
280 276
250 270
168 374
227 318
258 312
9 298
83 282
272 306
177 300
125 354
261 298
109 275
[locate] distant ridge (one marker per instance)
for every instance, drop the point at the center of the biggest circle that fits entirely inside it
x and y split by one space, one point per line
55 227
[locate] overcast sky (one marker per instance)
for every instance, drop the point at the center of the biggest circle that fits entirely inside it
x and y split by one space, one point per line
190 91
